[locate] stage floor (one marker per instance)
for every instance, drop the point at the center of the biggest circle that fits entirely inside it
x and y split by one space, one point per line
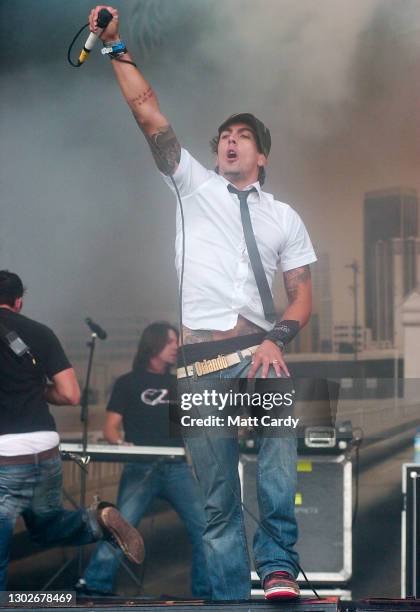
122 604
303 604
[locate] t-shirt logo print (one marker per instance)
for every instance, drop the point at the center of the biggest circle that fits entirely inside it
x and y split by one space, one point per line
153 397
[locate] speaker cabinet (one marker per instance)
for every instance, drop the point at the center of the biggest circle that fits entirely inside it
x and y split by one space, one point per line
410 531
323 506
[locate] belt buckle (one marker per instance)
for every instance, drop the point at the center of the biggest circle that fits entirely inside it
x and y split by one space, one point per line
208 366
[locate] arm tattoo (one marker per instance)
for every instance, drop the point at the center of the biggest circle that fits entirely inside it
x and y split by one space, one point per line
166 149
141 98
294 278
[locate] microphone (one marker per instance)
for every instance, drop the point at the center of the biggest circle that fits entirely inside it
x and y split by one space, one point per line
104 17
96 329
15 343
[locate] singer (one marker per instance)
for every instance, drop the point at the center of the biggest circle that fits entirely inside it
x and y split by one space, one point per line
30 464
236 235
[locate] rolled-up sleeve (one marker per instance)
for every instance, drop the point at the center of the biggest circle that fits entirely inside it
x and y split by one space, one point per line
189 175
298 250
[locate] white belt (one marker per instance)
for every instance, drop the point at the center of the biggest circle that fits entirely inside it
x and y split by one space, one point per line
221 362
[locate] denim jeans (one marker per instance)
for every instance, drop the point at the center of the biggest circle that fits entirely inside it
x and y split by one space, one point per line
34 491
215 459
139 484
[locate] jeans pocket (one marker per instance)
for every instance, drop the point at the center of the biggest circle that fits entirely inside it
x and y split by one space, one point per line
48 491
7 504
16 486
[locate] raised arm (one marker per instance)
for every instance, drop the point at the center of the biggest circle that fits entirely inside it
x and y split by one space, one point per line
141 99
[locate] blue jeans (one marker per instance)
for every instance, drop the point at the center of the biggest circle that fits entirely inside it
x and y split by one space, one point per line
34 491
139 484
215 459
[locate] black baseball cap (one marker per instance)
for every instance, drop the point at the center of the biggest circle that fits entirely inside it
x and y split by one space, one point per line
261 132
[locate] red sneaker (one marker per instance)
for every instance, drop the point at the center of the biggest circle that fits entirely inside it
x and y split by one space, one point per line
280 585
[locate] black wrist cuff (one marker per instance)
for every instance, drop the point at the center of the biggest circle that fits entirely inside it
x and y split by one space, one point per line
283 333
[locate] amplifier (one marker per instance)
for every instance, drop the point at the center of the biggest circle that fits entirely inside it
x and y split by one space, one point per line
311 440
410 531
323 511
325 440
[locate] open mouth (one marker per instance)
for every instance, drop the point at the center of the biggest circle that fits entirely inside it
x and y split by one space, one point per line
232 155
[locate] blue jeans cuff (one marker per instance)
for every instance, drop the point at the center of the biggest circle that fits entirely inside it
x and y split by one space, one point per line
90 518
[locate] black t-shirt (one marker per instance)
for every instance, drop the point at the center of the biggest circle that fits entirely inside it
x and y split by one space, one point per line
143 399
23 407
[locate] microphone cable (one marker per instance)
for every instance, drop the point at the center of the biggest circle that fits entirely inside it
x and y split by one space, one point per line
206 435
79 64
69 50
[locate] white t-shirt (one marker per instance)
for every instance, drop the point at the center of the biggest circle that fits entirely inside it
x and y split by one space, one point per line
219 283
28 443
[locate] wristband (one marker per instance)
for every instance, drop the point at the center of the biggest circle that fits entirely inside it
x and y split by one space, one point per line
111 43
115 49
283 333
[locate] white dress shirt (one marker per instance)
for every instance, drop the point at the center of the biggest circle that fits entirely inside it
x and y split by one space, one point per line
219 283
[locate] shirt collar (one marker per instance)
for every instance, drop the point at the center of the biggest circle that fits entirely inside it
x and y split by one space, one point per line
247 188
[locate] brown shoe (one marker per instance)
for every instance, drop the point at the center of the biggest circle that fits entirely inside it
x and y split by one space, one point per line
121 532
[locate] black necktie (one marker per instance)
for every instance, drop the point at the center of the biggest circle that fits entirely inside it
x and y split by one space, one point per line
254 254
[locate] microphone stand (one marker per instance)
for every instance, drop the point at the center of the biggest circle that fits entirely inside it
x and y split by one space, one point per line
82 461
84 414
84 417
